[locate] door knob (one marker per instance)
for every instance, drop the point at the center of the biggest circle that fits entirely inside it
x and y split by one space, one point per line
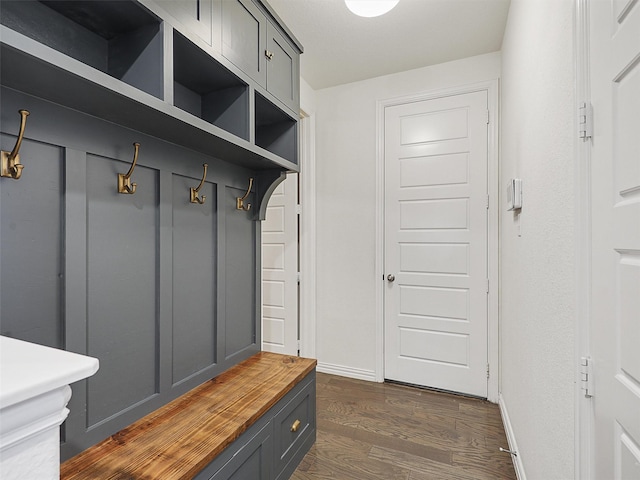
391 278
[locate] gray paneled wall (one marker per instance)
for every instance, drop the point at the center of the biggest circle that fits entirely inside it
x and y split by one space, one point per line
161 290
194 279
31 255
122 288
239 235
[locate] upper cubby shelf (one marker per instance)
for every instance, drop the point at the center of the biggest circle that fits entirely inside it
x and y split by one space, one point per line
276 131
119 38
206 89
123 61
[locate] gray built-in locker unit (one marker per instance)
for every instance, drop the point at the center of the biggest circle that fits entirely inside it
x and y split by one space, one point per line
160 282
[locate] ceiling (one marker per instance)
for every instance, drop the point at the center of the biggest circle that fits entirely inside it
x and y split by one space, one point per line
340 47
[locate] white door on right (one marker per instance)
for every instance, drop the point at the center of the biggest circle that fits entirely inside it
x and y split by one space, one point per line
615 237
436 243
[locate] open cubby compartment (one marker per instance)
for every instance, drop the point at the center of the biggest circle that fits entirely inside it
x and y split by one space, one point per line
276 131
208 90
119 38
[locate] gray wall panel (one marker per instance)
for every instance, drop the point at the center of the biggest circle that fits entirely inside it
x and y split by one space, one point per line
194 280
122 293
240 261
31 239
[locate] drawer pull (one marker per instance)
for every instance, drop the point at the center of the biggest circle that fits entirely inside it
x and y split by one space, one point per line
295 426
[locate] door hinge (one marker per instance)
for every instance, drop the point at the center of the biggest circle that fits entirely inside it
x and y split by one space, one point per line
487 202
298 277
487 285
586 376
488 117
298 209
585 121
487 370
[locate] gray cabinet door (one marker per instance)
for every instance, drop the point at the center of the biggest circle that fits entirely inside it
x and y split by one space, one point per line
256 46
292 425
244 36
283 69
195 15
253 461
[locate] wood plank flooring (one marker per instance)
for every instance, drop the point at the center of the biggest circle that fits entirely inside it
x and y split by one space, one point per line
371 431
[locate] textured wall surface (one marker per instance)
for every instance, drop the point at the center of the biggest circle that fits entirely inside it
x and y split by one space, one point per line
538 246
346 205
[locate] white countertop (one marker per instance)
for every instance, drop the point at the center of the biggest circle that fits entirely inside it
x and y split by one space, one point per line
28 370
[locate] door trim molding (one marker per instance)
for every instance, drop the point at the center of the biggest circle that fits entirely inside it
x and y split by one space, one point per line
583 424
492 88
307 266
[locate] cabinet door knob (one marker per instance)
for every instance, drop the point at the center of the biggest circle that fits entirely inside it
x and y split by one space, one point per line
268 54
295 426
391 278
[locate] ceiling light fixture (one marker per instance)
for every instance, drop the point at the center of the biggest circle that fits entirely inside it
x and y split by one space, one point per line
370 8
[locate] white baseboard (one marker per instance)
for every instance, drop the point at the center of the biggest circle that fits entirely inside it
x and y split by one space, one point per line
343 371
511 440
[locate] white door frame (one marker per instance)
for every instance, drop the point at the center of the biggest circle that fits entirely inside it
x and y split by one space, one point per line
583 460
491 87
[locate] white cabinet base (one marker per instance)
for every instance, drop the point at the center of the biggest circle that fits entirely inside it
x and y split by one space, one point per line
34 392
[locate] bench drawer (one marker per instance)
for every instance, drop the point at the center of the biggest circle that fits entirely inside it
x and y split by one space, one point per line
293 425
252 461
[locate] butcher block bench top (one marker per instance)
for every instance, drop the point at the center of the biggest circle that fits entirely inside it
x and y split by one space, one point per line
179 439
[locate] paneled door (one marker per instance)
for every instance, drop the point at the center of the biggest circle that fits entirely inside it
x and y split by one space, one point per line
436 238
280 270
615 238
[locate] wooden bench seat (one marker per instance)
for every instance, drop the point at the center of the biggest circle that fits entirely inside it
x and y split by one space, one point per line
180 439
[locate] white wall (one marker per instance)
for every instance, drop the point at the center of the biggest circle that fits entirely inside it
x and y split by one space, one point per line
537 268
346 202
307 98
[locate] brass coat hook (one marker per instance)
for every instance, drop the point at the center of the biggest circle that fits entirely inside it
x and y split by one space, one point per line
195 198
240 200
11 166
124 179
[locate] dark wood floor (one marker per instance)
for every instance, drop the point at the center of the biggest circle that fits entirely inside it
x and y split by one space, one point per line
385 431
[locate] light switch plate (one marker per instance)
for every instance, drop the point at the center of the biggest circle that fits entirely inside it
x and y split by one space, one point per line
514 194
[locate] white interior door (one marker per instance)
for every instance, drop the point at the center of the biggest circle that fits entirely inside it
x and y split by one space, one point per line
436 238
615 237
280 270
